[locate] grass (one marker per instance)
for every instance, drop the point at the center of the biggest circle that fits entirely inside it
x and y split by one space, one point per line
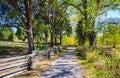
12 44
98 64
83 62
8 48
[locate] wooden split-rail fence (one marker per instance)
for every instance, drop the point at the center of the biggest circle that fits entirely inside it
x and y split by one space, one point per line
12 66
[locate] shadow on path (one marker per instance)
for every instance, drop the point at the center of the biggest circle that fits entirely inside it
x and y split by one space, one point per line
64 67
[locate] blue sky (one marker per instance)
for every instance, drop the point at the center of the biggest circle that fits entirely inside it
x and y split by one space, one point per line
113 14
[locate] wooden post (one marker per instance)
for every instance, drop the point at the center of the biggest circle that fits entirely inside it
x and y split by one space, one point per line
58 48
29 63
48 56
55 50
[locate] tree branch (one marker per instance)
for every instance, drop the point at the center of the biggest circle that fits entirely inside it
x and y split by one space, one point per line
16 27
77 7
108 4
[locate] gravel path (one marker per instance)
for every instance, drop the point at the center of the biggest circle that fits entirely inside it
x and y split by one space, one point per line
64 67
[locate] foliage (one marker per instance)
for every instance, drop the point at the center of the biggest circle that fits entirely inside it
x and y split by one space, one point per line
101 65
88 14
21 34
40 46
111 34
40 30
81 33
69 40
6 34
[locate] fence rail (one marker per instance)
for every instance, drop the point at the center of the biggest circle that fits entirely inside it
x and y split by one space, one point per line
10 67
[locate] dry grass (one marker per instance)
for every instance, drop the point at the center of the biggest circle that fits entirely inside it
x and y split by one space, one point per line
85 68
81 53
38 68
99 65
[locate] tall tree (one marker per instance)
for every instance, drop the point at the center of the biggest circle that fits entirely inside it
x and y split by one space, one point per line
24 9
52 11
89 10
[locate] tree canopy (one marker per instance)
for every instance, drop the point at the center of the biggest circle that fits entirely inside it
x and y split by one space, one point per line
52 19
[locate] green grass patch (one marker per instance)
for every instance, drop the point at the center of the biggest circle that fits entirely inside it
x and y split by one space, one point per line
97 64
13 44
8 48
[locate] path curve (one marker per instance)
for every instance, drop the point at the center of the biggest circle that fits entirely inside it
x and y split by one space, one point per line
65 66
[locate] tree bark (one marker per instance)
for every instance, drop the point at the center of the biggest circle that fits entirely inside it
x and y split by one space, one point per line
46 36
56 41
51 38
30 43
56 37
98 2
60 39
28 7
91 39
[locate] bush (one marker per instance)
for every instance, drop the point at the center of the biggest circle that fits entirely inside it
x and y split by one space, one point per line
100 50
6 34
108 66
92 56
101 65
81 52
40 46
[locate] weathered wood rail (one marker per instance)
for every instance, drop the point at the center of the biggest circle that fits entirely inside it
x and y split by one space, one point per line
10 67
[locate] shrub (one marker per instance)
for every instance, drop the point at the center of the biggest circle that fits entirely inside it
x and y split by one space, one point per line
81 52
108 66
92 56
100 64
40 46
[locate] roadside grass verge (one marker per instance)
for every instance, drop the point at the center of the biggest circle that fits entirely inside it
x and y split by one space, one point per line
97 64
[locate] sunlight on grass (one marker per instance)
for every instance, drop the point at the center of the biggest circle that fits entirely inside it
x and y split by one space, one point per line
12 44
8 48
99 64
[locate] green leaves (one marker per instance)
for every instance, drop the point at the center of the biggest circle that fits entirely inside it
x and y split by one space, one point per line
5 33
21 34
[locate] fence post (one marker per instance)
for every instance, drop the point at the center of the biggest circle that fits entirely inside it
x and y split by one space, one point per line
58 48
29 63
48 54
55 50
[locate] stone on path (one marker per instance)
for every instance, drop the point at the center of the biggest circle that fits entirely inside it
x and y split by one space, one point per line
64 67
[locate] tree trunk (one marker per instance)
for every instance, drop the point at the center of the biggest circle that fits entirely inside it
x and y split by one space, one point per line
56 36
28 6
33 42
46 40
91 39
30 43
98 2
46 36
51 38
56 41
60 39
